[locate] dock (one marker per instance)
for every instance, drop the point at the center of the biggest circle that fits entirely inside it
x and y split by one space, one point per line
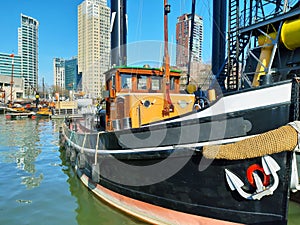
63 109
62 116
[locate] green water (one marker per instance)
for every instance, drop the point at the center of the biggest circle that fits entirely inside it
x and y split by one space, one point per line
38 188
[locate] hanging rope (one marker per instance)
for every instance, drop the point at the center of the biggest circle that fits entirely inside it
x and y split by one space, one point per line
70 139
84 139
96 151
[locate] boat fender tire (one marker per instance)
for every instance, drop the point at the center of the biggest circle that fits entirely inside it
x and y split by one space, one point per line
81 160
95 173
73 156
62 140
60 137
68 151
65 146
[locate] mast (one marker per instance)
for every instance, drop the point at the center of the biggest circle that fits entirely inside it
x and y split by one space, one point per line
219 39
118 32
12 79
191 40
168 106
43 88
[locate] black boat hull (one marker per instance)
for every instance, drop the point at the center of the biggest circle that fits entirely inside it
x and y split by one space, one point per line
162 165
203 193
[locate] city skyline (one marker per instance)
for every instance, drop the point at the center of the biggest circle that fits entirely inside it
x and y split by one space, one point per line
28 50
58 26
183 37
93 45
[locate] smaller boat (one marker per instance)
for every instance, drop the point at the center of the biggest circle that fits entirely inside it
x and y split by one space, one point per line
17 111
44 112
2 108
20 115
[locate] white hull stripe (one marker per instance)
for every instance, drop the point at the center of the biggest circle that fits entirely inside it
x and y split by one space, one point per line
244 101
165 148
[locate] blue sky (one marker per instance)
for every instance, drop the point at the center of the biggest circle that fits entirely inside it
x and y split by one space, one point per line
58 26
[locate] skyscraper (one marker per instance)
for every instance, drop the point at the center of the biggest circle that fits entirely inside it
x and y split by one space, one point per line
7 61
93 44
71 74
10 74
65 74
28 50
59 74
183 33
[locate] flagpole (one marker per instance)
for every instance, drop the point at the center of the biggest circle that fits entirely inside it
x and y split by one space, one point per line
12 79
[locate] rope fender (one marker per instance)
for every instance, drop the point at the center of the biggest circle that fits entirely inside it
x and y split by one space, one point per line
281 139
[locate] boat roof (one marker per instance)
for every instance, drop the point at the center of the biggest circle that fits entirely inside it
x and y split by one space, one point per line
138 68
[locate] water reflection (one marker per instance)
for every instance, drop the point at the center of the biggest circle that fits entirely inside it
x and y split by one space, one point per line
294 213
31 181
90 209
22 138
50 192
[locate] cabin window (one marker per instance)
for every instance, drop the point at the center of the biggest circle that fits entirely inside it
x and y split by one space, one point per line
126 81
156 83
142 83
113 81
172 83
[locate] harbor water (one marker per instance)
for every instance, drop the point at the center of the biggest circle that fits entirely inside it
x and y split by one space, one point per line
37 186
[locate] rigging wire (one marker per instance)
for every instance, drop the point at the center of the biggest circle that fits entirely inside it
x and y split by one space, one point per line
139 24
182 6
205 9
140 20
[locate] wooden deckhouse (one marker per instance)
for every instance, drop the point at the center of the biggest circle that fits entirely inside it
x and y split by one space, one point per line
136 96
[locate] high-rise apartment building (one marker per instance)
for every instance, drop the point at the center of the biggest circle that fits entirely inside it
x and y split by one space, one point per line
65 74
10 65
59 74
28 50
183 34
93 45
10 74
71 74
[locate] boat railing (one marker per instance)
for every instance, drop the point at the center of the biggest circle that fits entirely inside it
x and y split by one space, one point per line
295 176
